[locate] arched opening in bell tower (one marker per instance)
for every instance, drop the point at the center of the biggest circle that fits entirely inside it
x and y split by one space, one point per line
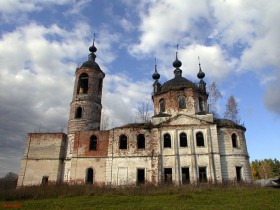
83 84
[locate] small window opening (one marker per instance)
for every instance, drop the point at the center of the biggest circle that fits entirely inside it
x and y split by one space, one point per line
185 175
200 100
141 141
161 105
89 176
166 141
183 140
79 111
140 176
45 180
93 143
199 139
100 86
182 102
83 84
123 142
168 175
238 174
202 174
234 140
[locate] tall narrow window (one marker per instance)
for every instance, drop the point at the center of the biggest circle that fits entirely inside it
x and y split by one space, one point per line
166 141
182 102
141 141
89 176
83 84
185 175
199 139
93 143
234 140
200 102
238 174
183 140
168 175
161 105
123 142
78 113
100 86
202 174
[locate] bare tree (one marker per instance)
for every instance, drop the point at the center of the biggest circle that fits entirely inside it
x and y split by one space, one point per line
214 95
144 111
105 120
232 111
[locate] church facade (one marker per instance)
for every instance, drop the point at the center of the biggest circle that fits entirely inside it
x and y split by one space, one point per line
183 143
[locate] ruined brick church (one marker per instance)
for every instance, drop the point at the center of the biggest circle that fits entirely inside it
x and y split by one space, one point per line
183 143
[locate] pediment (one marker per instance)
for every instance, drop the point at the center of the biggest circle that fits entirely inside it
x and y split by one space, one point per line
185 120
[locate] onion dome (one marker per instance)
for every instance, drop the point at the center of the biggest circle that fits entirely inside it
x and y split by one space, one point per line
156 75
90 63
200 74
177 64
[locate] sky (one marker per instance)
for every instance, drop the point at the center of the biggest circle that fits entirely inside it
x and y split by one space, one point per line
42 42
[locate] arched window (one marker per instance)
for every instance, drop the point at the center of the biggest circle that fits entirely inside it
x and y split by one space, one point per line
199 139
141 141
183 140
200 101
166 141
161 105
234 140
83 84
182 102
123 142
89 176
93 143
78 113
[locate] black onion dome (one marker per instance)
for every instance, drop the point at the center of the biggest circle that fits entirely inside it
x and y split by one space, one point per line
90 63
156 75
177 63
200 74
177 83
226 123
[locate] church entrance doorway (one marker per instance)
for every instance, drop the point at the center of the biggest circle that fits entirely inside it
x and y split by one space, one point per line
89 176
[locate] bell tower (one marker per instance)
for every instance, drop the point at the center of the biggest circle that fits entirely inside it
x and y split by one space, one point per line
85 108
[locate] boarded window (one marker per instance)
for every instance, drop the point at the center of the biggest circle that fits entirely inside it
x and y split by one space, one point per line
168 175
199 139
78 113
183 140
140 176
89 176
83 84
93 143
123 142
234 140
166 141
182 102
141 141
202 174
185 175
161 105
238 174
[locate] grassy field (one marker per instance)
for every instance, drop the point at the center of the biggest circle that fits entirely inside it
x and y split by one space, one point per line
145 197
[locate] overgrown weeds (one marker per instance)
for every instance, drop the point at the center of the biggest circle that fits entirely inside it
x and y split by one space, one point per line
68 190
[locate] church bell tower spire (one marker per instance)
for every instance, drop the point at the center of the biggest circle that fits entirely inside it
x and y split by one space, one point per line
85 108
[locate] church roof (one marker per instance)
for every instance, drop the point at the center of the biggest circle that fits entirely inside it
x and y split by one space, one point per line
177 83
226 123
